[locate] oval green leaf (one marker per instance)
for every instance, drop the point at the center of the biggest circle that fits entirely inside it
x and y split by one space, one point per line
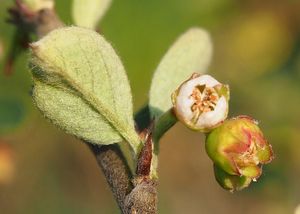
80 84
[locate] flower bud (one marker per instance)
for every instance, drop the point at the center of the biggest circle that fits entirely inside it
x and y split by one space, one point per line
201 102
239 148
231 182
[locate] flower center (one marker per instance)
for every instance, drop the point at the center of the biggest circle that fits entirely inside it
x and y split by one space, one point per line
250 155
205 100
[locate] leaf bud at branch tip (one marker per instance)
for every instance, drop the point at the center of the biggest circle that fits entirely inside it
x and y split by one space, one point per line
201 102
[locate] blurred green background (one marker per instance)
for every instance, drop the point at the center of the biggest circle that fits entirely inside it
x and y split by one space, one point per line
256 51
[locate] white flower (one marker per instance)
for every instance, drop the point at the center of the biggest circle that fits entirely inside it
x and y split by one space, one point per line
201 102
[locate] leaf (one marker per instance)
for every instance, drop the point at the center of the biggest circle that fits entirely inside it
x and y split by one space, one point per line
87 13
80 84
36 5
190 53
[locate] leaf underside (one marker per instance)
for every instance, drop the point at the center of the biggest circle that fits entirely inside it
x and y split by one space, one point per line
80 84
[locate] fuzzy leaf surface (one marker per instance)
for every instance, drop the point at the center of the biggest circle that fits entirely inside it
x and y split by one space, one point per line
80 84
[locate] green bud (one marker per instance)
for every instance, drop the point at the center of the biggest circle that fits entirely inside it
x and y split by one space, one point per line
239 148
231 182
201 102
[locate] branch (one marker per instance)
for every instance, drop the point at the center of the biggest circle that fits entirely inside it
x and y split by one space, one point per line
37 22
115 168
143 198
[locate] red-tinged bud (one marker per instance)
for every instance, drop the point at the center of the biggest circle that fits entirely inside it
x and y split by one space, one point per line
239 148
201 102
231 182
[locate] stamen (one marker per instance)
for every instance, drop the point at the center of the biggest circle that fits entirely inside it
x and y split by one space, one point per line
205 100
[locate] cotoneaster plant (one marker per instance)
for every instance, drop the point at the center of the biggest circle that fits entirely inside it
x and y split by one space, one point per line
81 86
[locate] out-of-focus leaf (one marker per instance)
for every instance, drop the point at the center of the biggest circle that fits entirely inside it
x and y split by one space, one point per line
36 5
87 13
190 53
80 84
